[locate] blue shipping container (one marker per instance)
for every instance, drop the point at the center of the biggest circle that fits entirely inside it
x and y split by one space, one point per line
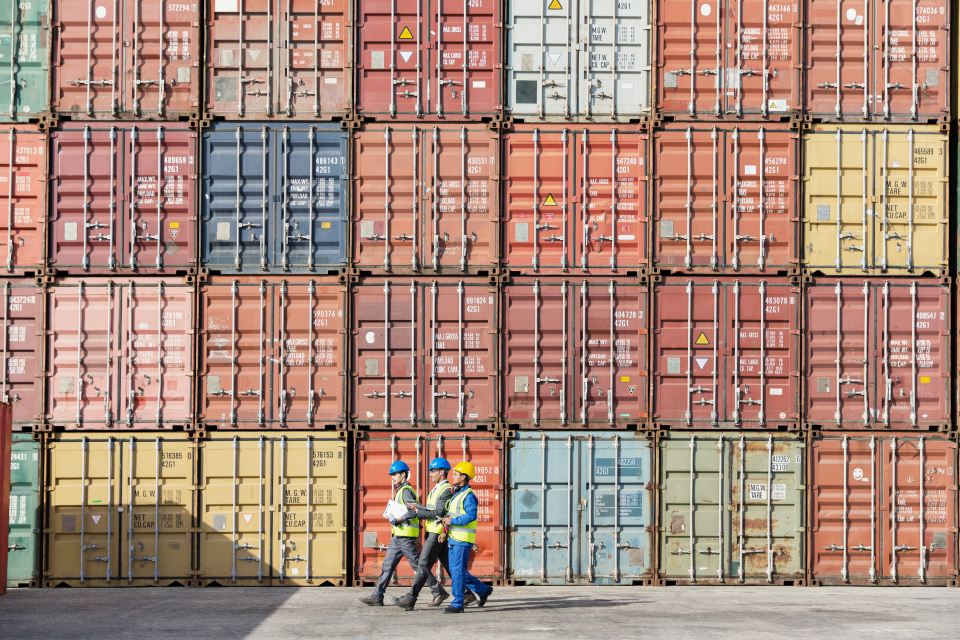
274 198
580 507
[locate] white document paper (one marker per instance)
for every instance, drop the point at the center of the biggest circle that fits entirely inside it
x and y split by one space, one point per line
394 510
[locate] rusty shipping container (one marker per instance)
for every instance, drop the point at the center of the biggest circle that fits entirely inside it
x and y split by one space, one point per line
424 354
6 442
738 60
119 354
726 199
876 354
429 59
126 60
272 509
732 508
726 353
574 354
260 365
123 199
23 341
575 199
881 61
375 451
883 509
23 168
285 59
426 199
119 511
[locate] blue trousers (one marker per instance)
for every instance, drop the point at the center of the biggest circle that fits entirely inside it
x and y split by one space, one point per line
460 579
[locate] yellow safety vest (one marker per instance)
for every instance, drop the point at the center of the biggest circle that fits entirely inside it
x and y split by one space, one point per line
410 528
462 533
433 526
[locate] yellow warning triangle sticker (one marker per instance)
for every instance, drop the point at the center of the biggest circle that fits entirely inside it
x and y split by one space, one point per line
555 5
405 34
550 202
702 338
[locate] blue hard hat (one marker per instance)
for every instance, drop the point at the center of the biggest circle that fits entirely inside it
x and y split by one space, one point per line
439 463
399 466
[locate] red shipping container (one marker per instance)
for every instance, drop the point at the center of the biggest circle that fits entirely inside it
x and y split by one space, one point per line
726 353
740 59
23 163
119 355
574 353
377 450
713 213
432 61
883 509
876 354
290 59
867 59
23 351
262 366
6 441
561 210
426 199
126 60
97 225
424 353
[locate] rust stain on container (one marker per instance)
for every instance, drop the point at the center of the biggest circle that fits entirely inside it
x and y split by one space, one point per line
426 199
883 509
575 200
375 451
726 353
424 353
726 199
23 351
574 353
272 353
23 185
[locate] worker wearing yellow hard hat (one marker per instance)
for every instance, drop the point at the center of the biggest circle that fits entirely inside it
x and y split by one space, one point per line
461 522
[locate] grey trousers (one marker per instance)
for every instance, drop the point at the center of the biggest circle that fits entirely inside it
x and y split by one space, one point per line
401 548
432 551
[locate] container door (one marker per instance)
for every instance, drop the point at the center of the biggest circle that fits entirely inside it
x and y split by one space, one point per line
24 522
24 60
543 56
313 79
23 161
161 66
241 51
617 82
22 351
468 45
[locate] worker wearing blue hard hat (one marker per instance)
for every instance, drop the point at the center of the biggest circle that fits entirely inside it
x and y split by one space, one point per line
405 534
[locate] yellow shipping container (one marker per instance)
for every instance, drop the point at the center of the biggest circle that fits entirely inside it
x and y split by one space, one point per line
852 224
119 511
272 509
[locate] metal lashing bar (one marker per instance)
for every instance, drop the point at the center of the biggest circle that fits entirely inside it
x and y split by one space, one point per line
886 236
617 545
844 574
613 194
413 353
721 550
864 110
910 163
762 418
233 496
866 344
159 354
261 412
839 54
584 197
263 200
923 477
714 206
435 200
107 407
316 69
282 570
312 187
386 353
310 392
460 394
563 358
309 518
736 353
440 81
160 75
914 97
10 196
735 199
236 256
536 352
536 194
463 168
156 515
590 505
838 136
611 289
863 200
613 73
692 571
563 257
415 134
583 354
83 506
566 69
233 354
743 475
838 361
689 405
913 353
760 136
543 509
386 193
873 509
131 358
282 415
132 445
260 452
568 574
110 446
893 508
693 56
715 289
770 550
543 64
433 354
6 339
285 197
887 382
85 261
79 353
766 86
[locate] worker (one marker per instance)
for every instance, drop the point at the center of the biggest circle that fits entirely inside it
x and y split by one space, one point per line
461 521
403 541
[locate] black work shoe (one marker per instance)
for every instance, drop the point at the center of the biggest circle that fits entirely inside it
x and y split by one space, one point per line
469 599
406 602
483 599
436 602
371 601
452 610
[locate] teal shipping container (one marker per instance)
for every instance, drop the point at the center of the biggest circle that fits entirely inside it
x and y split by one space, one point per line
23 552
24 61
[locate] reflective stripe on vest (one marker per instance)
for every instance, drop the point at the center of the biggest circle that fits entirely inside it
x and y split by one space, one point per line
432 526
462 533
410 528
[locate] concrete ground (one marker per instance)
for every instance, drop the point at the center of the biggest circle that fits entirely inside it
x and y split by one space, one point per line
677 613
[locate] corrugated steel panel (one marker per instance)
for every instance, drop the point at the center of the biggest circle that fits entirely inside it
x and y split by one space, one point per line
726 353
852 224
24 522
581 508
23 351
119 355
575 199
375 451
883 510
886 61
732 508
6 430
100 223
260 365
579 60
119 511
429 60
741 60
426 199
271 510
725 199
284 59
424 354
23 164
260 212
126 60
25 58
876 354
574 354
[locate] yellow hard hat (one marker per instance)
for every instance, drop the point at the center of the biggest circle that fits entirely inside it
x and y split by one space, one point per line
466 469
